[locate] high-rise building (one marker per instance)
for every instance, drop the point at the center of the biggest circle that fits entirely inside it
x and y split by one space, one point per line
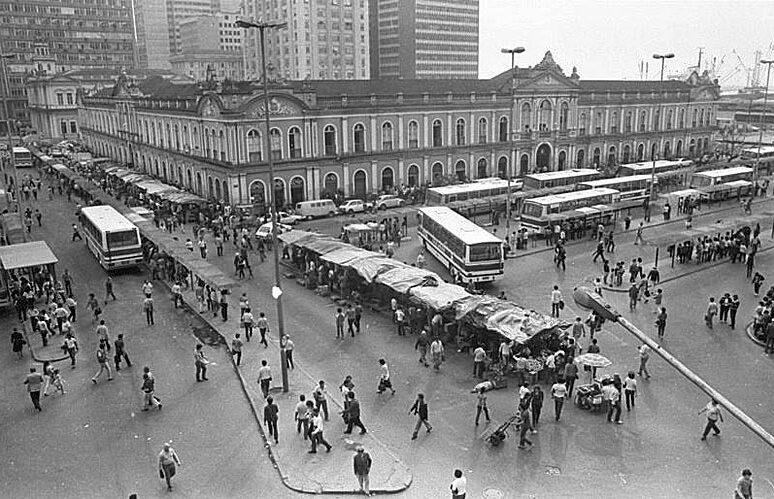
436 39
210 46
180 11
66 35
322 40
152 29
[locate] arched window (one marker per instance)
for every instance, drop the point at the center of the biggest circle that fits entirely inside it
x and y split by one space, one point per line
177 137
329 140
217 189
545 116
275 137
627 153
502 167
583 124
295 147
413 176
562 160
388 179
669 117
359 137
460 169
482 169
360 186
189 179
657 120
526 117
413 135
596 157
643 120
681 119
653 152
482 131
503 131
701 118
386 136
331 184
706 145
564 116
614 122
199 188
279 192
460 132
253 145
679 148
210 189
437 133
437 172
628 122
695 115
667 150
611 159
640 152
524 164
222 145
581 158
599 119
297 190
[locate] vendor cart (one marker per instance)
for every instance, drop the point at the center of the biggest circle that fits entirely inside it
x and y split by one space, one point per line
496 435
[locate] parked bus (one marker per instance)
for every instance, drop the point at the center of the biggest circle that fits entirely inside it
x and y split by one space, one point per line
22 157
481 188
646 167
564 177
537 213
633 187
754 152
469 252
111 237
716 177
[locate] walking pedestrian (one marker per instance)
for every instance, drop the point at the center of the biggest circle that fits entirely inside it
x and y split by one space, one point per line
713 416
104 366
147 306
479 360
223 305
109 289
481 405
536 401
287 344
17 343
757 282
120 353
320 401
644 355
350 315
422 344
712 311
316 430
638 238
200 360
270 412
559 394
732 310
71 347
613 396
67 279
459 485
236 348
661 320
147 288
557 303
525 424
301 416
744 485
248 322
168 463
362 466
93 304
263 328
630 390
264 378
148 389
384 378
358 316
34 380
76 234
339 324
436 352
570 374
177 294
420 410
71 305
352 414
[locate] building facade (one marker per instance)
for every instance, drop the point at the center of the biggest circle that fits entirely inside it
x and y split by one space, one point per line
211 48
322 40
151 25
182 11
365 137
208 64
420 39
76 34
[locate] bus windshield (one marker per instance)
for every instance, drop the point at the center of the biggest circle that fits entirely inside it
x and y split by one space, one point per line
532 209
121 239
485 252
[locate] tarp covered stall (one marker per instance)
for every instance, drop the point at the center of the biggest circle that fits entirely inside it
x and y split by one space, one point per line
403 279
373 264
343 256
26 255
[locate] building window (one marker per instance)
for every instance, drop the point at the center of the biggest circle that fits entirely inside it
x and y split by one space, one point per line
656 120
643 120
564 116
294 143
599 119
413 135
583 125
482 131
70 98
669 120
695 114
253 145
329 140
614 123
526 116
275 137
387 136
60 99
437 133
359 136
545 116
73 127
63 127
681 119
597 154
460 132
503 131
628 122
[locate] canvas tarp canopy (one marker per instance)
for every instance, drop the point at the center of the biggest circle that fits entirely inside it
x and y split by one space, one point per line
404 278
372 264
342 256
440 297
298 236
181 197
154 186
19 256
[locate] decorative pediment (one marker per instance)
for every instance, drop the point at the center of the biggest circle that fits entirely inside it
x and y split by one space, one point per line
209 107
278 106
548 80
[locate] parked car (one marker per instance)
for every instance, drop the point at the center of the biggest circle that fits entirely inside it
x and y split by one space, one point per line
388 201
264 231
288 218
315 209
354 206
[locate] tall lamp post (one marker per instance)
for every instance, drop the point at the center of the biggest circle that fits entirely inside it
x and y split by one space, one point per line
768 63
663 57
276 289
8 130
512 159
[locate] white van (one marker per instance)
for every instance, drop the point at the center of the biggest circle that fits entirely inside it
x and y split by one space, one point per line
317 208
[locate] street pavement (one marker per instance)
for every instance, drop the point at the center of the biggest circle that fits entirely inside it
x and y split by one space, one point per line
655 453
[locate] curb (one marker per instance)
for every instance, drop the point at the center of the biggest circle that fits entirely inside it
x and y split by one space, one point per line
32 350
749 330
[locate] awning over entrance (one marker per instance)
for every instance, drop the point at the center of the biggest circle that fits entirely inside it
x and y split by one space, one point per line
18 256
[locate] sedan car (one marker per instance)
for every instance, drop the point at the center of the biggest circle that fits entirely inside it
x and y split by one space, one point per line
388 201
264 231
354 206
288 218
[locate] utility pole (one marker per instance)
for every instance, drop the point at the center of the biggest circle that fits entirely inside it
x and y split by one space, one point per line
768 63
9 132
663 57
512 159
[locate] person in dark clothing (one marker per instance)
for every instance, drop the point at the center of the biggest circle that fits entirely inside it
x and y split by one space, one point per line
536 401
121 353
270 412
352 414
733 309
420 409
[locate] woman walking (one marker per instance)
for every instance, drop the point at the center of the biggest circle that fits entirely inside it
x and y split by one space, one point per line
168 463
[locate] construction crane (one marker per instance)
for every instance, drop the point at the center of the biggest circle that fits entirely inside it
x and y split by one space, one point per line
742 66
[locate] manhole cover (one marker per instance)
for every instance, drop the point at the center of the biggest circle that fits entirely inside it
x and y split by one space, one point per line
553 471
493 494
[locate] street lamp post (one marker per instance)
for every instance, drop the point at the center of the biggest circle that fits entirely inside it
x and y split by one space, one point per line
768 63
276 289
512 159
663 57
8 128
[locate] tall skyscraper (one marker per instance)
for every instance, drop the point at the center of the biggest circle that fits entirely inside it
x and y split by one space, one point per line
76 34
152 29
424 39
323 40
180 11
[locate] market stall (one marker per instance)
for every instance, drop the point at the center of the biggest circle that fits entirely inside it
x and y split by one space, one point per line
20 262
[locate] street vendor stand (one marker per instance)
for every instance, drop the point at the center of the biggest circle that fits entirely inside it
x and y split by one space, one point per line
23 259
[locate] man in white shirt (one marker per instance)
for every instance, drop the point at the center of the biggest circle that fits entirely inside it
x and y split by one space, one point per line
505 353
264 377
479 357
459 486
177 294
317 433
559 393
556 301
384 378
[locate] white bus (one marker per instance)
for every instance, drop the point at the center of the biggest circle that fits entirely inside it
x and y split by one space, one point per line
646 167
113 239
564 177
481 188
468 251
752 152
537 213
632 187
716 177
22 157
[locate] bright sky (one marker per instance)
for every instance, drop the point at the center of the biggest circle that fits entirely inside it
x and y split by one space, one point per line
607 39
